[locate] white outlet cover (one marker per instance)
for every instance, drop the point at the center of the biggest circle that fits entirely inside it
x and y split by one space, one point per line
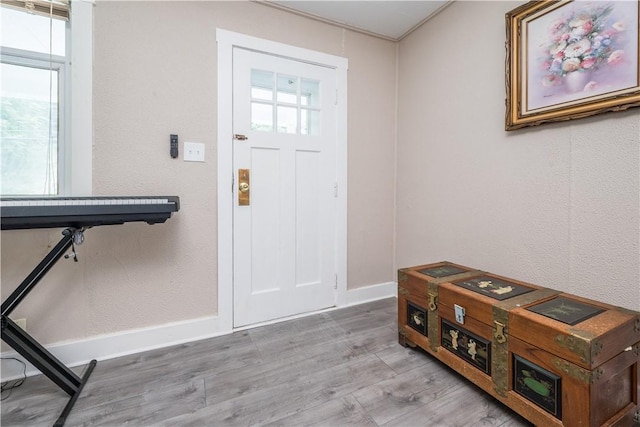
193 152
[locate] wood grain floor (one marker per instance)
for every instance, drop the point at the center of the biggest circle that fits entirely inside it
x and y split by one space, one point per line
338 368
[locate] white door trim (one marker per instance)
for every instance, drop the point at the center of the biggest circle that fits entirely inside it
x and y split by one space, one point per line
226 41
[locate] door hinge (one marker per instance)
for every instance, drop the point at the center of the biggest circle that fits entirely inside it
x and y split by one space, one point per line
336 100
335 190
335 281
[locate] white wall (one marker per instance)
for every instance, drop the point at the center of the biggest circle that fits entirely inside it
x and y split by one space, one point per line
556 205
155 74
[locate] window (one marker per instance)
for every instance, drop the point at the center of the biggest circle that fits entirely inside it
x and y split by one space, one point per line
32 107
39 45
296 103
30 131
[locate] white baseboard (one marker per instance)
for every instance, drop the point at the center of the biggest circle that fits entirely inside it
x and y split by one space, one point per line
104 347
372 293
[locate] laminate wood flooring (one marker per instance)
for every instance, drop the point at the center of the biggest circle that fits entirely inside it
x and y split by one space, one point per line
336 368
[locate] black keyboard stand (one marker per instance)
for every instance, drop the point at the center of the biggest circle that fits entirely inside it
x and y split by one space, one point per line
28 347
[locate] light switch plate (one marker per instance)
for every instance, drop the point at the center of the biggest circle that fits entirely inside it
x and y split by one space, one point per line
193 152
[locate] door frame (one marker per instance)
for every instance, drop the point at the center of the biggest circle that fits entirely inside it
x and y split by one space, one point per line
226 41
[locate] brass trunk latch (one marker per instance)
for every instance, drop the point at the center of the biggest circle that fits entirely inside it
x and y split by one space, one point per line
432 301
499 333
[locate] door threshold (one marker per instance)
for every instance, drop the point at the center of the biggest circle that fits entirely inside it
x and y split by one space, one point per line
284 319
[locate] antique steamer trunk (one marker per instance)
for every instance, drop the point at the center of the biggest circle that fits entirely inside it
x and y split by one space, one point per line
508 337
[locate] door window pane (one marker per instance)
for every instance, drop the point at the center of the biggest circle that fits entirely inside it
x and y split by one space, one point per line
287 89
29 115
287 119
262 85
309 122
310 93
261 117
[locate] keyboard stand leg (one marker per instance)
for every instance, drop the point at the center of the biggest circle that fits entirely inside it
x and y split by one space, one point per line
29 348
67 409
38 273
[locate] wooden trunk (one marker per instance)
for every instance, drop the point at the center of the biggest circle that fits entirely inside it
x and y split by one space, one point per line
556 359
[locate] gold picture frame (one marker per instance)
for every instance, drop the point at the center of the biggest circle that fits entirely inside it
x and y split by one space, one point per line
570 59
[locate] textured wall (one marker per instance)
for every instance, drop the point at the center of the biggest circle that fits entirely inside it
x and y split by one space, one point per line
155 74
556 205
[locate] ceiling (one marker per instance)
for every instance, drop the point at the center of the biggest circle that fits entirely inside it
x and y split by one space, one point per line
391 20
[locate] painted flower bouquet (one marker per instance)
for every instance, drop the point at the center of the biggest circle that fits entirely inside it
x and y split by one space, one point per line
582 41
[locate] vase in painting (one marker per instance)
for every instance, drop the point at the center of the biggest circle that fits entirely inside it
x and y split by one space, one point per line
576 81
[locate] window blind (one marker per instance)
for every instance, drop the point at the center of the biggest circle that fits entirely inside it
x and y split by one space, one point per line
53 8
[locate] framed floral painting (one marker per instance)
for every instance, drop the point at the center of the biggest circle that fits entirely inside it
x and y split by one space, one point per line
570 59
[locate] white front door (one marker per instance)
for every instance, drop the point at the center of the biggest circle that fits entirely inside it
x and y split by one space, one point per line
284 162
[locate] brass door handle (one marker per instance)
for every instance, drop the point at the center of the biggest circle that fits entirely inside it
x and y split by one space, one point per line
244 195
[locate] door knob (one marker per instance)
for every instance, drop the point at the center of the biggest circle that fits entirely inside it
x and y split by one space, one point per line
244 195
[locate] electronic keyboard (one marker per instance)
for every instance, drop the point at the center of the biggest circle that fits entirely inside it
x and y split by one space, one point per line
82 212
